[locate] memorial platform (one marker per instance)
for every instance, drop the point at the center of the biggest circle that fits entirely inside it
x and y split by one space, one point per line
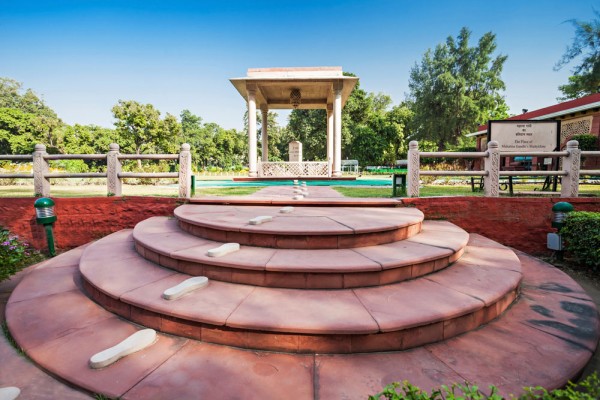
432 305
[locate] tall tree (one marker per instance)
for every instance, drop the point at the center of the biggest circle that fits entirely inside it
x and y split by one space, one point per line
140 128
456 87
25 120
310 128
586 48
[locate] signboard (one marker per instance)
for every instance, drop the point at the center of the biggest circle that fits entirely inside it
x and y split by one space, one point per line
295 151
524 135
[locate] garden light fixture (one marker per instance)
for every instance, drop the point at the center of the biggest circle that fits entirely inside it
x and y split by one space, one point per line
559 213
44 215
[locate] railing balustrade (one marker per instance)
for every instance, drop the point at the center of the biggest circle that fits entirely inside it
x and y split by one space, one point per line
491 173
41 174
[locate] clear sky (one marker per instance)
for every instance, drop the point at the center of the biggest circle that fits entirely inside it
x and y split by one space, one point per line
82 56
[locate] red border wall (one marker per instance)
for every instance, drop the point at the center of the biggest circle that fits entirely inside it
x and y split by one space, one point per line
521 223
83 219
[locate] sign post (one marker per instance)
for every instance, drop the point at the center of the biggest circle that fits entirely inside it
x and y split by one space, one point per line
524 135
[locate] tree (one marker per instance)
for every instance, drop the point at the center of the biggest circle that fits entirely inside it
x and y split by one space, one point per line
11 96
586 47
21 131
140 128
310 128
25 120
455 88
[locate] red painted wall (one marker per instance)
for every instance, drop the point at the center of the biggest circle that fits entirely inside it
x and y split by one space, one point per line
83 219
521 223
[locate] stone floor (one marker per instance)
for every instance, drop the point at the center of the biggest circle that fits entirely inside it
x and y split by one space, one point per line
184 366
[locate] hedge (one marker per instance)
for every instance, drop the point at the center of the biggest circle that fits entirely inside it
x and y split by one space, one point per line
581 233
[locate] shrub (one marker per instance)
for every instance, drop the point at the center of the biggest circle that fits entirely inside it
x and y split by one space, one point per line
586 142
581 233
588 389
14 254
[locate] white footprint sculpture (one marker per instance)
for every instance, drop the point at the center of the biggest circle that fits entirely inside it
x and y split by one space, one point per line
261 219
189 285
9 393
223 250
136 342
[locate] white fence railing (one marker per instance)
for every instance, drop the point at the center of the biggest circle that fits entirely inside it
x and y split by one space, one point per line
41 169
570 172
293 169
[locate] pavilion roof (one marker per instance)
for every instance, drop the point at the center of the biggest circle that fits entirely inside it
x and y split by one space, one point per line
273 86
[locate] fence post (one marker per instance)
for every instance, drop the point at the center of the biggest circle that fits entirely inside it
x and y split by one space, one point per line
414 165
569 186
185 172
41 185
491 181
113 168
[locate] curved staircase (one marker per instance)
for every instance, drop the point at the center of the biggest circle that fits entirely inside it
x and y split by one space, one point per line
321 302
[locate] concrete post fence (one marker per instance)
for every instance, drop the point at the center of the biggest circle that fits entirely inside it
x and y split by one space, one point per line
491 173
41 170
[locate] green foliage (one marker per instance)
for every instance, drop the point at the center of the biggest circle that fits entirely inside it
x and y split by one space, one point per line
141 129
11 340
13 96
21 131
310 128
588 389
211 144
14 254
586 48
582 235
25 120
586 142
455 88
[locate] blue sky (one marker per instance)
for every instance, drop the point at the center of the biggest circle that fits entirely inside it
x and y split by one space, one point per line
83 56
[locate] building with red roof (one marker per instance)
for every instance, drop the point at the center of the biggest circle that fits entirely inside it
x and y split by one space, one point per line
577 117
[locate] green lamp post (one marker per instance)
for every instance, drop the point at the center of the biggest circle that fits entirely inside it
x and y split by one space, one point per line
44 214
559 213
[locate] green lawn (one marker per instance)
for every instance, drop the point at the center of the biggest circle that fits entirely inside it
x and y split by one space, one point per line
427 191
348 191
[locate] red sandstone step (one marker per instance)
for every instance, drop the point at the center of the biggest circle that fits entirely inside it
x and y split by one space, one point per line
440 243
388 317
553 326
304 228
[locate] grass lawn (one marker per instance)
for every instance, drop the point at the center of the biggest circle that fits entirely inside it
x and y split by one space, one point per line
348 191
427 191
227 191
90 190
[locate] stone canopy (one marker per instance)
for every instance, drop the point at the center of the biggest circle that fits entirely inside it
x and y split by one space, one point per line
295 88
316 84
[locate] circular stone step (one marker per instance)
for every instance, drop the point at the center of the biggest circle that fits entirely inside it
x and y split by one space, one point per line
304 228
440 243
382 318
59 328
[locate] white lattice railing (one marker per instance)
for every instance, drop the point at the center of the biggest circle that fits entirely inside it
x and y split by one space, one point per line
293 169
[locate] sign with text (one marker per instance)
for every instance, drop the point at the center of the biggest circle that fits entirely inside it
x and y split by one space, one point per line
524 135
295 151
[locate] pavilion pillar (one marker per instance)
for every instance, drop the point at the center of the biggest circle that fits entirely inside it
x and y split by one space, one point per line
329 139
252 171
264 110
337 130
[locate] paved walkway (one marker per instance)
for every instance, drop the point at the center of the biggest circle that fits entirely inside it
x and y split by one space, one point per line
17 370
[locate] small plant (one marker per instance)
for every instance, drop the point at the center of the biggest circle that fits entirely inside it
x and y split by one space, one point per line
12 340
582 235
587 389
15 254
